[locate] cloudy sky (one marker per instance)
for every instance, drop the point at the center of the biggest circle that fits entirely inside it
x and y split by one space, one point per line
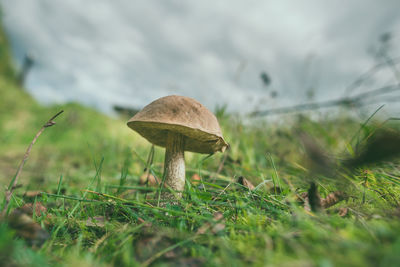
129 53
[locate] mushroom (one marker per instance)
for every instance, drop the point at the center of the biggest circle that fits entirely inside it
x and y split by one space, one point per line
179 124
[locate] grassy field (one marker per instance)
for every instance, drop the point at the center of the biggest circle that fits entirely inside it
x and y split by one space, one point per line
83 177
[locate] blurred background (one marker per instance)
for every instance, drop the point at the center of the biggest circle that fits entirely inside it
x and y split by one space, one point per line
246 55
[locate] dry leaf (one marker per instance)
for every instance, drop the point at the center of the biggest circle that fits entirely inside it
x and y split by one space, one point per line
246 183
303 199
26 228
150 179
343 212
332 198
146 224
218 216
195 179
170 254
28 209
203 229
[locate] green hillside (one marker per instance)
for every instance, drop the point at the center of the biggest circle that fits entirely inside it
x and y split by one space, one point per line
81 135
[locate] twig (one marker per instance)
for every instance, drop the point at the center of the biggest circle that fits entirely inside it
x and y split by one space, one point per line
223 191
357 100
14 181
390 63
363 77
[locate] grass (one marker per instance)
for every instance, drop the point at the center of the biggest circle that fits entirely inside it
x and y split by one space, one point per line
88 167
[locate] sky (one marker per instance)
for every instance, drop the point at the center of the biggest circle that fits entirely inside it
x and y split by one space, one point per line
122 52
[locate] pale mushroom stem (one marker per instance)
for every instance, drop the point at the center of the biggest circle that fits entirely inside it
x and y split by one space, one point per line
174 166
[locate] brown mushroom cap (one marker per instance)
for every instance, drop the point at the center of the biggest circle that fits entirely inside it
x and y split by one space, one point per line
182 115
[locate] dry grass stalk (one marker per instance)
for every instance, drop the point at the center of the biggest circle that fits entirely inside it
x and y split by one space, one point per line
13 184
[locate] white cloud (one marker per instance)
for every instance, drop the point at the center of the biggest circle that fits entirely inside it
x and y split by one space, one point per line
125 52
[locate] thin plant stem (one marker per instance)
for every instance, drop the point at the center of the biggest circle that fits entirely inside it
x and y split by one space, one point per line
14 181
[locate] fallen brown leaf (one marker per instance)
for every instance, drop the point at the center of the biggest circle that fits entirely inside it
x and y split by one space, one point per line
146 224
195 179
343 211
246 183
28 209
26 228
332 198
150 179
303 199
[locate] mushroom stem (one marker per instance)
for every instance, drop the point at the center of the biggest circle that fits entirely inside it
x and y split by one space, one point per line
174 166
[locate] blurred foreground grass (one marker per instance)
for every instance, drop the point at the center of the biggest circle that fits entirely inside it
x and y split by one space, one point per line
88 166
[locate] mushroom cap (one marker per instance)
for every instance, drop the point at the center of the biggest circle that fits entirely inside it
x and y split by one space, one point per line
182 115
